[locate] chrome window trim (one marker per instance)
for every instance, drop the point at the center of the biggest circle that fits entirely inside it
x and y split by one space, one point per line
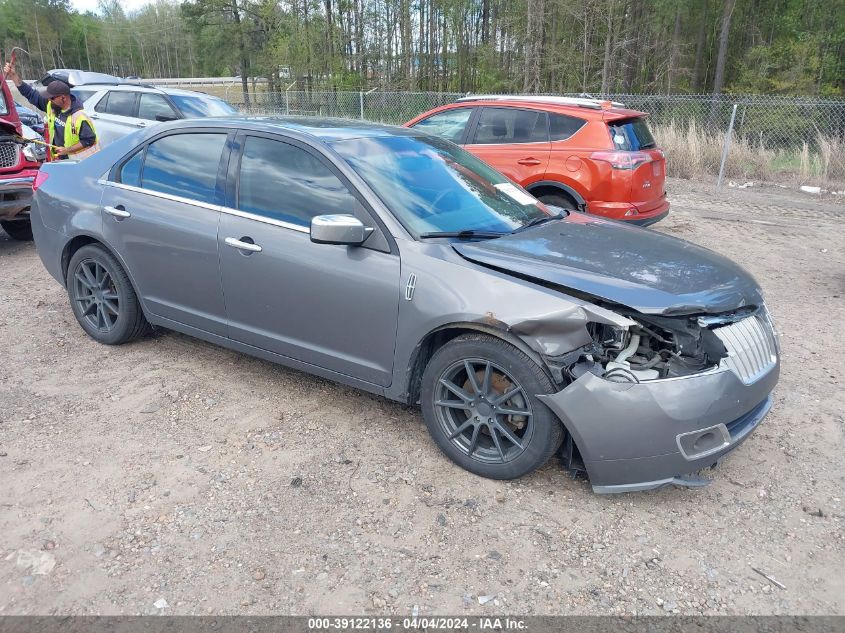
205 205
160 194
265 220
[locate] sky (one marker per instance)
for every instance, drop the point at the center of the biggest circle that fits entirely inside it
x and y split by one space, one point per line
91 5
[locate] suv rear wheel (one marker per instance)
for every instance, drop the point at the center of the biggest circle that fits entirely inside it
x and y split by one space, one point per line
18 229
480 406
559 200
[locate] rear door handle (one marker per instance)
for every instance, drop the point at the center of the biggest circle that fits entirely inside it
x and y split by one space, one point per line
250 246
119 212
528 161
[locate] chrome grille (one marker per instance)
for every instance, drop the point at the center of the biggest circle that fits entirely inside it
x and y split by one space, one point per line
751 345
9 153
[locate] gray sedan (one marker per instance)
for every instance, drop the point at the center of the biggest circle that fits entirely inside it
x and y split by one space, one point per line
396 262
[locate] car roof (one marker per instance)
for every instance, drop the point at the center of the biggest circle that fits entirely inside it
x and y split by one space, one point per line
325 129
581 107
140 87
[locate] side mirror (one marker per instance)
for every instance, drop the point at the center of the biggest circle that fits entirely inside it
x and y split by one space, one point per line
338 229
163 118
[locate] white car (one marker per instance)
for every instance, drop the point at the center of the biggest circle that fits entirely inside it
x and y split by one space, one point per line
119 107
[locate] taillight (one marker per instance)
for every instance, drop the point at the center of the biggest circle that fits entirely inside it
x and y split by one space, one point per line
622 160
40 179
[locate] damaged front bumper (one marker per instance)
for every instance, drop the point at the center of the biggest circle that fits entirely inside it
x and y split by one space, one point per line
641 436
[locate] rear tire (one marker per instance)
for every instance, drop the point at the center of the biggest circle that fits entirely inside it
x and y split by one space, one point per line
20 230
559 200
463 387
102 297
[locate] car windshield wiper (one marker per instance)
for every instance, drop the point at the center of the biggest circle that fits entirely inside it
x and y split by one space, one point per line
466 234
541 220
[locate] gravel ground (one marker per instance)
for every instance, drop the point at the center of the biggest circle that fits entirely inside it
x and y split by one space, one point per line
172 476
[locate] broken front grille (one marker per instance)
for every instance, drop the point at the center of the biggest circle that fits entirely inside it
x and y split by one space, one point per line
9 155
751 345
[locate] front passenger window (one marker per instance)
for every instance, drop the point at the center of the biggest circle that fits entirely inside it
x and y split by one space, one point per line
287 183
449 124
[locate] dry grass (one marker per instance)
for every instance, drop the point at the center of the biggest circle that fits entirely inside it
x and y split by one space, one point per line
692 153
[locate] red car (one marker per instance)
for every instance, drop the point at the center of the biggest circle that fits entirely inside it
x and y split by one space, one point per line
18 167
584 154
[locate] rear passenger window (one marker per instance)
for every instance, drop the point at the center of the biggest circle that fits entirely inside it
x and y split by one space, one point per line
449 124
184 165
510 125
130 173
562 127
117 102
286 183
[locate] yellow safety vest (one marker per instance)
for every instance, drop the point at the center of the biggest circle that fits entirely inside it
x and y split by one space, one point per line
72 125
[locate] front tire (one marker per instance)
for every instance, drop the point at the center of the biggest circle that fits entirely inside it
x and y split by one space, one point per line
479 402
20 230
102 297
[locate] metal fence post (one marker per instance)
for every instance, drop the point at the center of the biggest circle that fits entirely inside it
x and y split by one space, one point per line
361 101
287 97
725 149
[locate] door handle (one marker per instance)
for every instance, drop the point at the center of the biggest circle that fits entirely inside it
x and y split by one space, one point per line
528 161
250 246
119 212
141 124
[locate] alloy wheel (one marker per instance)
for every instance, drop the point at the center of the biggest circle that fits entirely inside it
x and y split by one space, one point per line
484 411
96 295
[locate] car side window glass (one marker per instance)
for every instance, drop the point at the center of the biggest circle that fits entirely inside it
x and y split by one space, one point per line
130 172
284 182
511 125
103 103
449 125
84 95
184 165
151 106
120 103
562 127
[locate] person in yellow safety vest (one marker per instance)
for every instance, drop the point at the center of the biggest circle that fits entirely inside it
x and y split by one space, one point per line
70 131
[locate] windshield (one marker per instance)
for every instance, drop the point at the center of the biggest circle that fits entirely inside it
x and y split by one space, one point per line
198 107
434 186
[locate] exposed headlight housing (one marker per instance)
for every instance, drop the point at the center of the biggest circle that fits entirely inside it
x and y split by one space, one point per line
35 153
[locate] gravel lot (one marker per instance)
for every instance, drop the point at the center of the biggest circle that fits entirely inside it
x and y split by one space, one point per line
172 476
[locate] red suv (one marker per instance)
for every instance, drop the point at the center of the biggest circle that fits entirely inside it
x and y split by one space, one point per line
18 167
584 154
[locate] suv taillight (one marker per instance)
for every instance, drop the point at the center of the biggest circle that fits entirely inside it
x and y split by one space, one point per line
621 159
40 179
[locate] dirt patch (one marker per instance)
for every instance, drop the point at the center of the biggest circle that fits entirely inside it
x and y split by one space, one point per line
171 472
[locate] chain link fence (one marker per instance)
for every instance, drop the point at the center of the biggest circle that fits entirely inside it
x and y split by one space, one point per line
795 140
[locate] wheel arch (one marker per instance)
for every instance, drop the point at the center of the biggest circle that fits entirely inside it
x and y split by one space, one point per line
544 187
439 336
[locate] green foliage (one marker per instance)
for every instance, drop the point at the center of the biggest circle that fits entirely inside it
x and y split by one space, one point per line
655 46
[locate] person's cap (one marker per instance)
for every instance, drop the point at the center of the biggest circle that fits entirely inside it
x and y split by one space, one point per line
56 88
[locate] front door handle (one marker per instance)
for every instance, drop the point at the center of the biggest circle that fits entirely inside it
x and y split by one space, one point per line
243 245
119 212
528 161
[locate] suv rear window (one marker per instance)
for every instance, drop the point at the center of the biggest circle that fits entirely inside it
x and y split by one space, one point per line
121 103
631 134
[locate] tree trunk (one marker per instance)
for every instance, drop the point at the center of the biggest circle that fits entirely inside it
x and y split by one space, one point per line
675 53
697 74
533 46
609 44
724 32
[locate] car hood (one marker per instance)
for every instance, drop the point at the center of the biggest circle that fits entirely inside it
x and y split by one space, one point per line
648 271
